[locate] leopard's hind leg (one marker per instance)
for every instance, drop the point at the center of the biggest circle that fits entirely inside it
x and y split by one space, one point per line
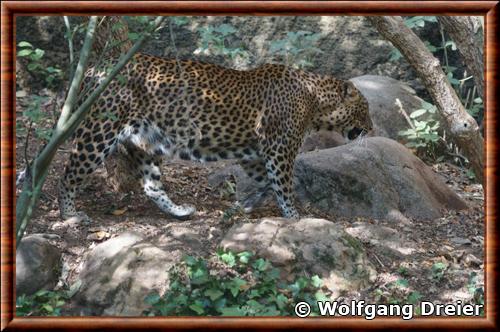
256 170
153 188
93 143
146 145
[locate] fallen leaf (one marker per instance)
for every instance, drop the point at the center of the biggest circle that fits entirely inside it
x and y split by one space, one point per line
98 236
119 212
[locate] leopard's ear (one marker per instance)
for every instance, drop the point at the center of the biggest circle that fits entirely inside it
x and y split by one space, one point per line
349 91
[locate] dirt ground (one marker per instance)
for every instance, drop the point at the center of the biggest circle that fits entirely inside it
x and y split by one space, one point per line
456 240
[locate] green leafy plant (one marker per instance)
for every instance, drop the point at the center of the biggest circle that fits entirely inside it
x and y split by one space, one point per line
297 48
423 133
42 303
414 297
419 21
51 75
36 117
470 174
438 269
231 284
402 270
215 41
476 291
476 108
179 20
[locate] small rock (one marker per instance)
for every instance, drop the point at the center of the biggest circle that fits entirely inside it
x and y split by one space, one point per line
37 265
119 273
461 241
472 260
71 222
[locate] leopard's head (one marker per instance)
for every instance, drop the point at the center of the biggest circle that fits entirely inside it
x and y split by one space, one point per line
344 110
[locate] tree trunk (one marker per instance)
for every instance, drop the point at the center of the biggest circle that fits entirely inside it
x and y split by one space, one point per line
465 32
460 126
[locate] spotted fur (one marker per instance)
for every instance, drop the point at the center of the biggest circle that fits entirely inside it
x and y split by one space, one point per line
204 112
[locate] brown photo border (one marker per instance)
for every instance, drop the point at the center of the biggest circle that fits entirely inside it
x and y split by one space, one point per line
9 9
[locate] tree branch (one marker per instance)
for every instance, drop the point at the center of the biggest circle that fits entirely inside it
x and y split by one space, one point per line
461 127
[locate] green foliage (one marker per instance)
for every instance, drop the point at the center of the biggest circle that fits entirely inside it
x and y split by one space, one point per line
34 115
414 297
423 134
476 291
231 284
42 303
476 108
419 21
470 174
141 22
438 269
297 48
403 271
216 41
137 25
401 283
396 55
179 20
51 75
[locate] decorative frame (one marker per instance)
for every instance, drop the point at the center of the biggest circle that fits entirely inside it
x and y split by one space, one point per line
11 9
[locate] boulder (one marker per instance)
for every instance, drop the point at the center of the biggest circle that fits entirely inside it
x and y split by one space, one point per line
374 177
118 274
37 264
381 93
322 140
316 246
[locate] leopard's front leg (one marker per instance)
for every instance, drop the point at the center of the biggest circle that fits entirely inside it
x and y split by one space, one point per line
279 166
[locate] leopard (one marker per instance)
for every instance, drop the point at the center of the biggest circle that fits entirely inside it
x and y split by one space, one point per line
171 108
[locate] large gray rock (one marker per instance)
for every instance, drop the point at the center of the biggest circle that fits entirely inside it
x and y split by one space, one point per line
37 264
376 178
316 246
119 273
322 140
381 93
